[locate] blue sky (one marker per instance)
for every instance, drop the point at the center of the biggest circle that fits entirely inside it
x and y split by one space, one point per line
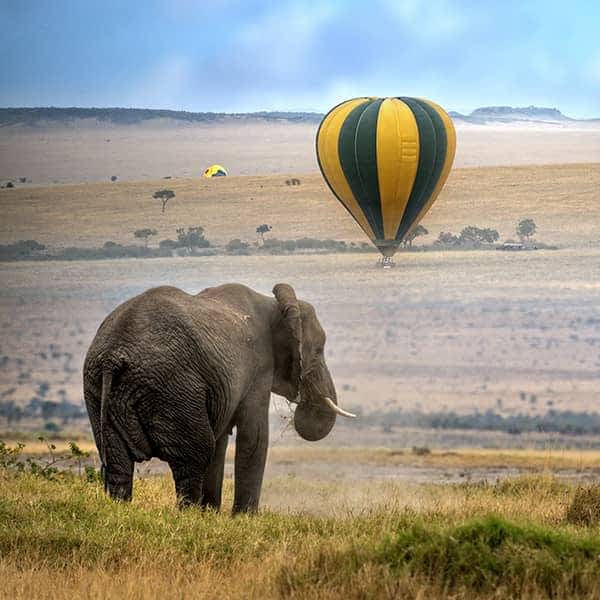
236 55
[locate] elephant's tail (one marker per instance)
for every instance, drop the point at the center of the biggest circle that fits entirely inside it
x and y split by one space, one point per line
108 372
107 377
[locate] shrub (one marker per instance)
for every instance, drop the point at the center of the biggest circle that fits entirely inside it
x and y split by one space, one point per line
144 234
168 244
51 427
192 238
21 250
585 506
447 239
236 246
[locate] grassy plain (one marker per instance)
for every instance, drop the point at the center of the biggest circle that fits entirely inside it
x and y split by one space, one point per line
562 199
510 539
360 515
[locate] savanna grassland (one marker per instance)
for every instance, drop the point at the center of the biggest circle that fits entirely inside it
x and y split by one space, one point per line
562 200
445 330
529 537
372 511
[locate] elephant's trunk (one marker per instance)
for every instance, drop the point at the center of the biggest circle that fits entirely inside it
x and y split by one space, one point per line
314 419
317 409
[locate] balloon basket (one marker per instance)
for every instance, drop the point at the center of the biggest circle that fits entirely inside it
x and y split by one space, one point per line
386 262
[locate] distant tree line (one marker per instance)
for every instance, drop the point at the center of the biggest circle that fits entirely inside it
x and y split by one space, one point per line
191 241
131 116
469 237
565 422
40 408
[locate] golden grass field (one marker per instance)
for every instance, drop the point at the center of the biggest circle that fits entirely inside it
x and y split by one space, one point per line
562 199
522 538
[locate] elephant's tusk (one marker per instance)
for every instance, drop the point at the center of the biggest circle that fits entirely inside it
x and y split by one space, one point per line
336 409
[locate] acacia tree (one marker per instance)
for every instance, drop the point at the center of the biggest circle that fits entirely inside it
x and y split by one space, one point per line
144 234
415 233
446 238
526 228
477 235
164 196
192 238
261 230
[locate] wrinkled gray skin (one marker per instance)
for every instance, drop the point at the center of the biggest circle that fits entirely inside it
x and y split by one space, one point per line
170 374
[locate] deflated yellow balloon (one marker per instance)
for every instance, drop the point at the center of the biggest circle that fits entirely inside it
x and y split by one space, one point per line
215 171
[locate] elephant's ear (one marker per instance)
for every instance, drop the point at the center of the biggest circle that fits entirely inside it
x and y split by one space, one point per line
292 321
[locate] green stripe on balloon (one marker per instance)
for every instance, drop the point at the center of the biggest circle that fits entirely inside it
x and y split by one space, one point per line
427 153
357 149
431 171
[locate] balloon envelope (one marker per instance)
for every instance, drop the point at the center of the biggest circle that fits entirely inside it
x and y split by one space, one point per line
215 171
386 160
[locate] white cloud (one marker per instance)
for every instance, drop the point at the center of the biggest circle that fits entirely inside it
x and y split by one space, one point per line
591 69
283 39
435 20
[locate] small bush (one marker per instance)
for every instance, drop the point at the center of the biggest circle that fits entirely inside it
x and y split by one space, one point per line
51 427
421 450
236 246
585 506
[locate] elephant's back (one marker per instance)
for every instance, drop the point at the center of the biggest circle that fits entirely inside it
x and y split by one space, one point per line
164 327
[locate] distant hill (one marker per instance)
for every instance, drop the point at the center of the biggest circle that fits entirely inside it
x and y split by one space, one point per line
134 116
51 116
510 114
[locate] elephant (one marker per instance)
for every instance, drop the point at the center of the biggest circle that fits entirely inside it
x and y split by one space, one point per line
170 374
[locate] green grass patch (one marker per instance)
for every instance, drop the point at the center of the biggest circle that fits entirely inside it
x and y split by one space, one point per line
487 552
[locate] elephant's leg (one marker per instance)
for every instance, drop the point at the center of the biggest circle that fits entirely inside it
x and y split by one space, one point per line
118 470
213 480
252 440
188 476
187 442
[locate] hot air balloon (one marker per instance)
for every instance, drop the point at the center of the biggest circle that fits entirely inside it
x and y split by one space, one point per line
386 160
215 171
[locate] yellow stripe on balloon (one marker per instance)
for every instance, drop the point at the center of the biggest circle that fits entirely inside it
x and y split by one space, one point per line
450 152
329 159
397 161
